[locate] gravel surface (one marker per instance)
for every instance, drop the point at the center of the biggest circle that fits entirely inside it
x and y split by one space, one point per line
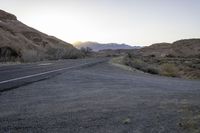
102 99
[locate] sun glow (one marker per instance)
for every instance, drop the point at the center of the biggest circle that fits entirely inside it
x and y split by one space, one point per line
67 26
132 22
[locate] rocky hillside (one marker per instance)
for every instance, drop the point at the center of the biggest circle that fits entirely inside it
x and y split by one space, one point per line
98 46
22 43
181 48
179 59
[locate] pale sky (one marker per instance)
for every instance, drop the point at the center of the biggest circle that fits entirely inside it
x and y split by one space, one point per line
135 22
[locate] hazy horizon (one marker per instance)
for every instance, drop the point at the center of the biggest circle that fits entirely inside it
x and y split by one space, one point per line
132 22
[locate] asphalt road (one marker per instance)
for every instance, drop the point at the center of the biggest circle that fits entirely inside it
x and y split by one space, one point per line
101 98
14 76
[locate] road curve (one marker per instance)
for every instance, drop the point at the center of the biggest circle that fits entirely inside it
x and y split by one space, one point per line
102 98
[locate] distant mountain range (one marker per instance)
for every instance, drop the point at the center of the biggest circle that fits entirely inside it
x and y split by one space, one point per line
95 46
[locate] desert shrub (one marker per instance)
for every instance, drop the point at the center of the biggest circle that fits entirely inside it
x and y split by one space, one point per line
72 54
133 62
86 50
9 59
129 55
31 56
152 55
169 70
60 53
152 70
54 53
169 56
192 65
9 54
140 65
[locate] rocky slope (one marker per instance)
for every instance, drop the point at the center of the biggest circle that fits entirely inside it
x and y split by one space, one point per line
179 59
181 48
98 46
21 42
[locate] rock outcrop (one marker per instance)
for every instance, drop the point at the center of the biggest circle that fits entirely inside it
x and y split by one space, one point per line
7 16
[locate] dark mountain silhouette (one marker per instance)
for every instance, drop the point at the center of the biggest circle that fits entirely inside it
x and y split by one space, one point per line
99 46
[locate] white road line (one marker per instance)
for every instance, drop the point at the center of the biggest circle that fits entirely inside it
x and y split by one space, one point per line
44 64
43 73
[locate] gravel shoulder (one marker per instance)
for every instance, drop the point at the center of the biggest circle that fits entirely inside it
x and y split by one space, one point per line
103 99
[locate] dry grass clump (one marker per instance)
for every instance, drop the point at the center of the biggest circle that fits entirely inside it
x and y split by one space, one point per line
140 65
50 54
8 54
170 70
9 59
59 53
188 68
190 120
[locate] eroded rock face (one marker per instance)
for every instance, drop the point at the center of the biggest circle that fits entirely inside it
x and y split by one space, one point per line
35 37
7 16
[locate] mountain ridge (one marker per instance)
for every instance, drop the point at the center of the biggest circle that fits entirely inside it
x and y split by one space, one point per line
180 48
95 46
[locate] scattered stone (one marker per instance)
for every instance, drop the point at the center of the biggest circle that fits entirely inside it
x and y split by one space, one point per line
126 121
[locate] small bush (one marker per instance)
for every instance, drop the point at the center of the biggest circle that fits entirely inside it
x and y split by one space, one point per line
152 55
167 66
53 53
8 54
152 70
169 56
60 53
86 51
72 54
169 70
140 65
